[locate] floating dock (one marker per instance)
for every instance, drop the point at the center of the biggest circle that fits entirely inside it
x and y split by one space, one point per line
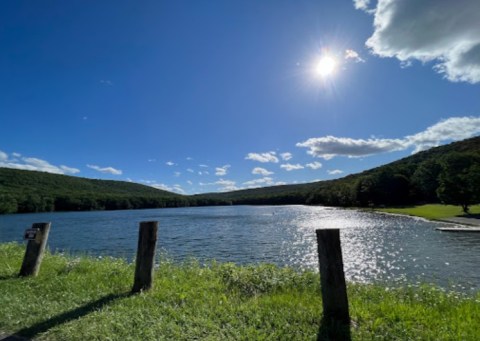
458 229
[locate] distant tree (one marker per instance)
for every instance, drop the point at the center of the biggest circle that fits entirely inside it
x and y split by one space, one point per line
459 180
425 180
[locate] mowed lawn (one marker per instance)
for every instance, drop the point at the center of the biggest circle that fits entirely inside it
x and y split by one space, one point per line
432 211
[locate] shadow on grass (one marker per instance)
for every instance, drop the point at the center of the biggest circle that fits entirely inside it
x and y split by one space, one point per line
84 310
470 215
333 331
6 277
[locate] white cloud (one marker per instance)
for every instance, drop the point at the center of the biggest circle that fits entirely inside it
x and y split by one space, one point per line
314 165
170 163
259 182
177 174
190 170
174 188
286 156
353 55
262 157
34 164
334 171
361 4
203 166
261 171
189 182
444 32
451 129
69 170
152 160
109 170
289 167
222 171
330 146
226 185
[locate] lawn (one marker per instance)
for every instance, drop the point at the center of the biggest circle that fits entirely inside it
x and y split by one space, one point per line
84 298
432 211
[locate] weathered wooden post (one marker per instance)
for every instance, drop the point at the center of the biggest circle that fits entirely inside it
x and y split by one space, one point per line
332 277
147 242
37 240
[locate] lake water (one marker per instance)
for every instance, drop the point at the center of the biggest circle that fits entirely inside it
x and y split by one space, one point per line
376 247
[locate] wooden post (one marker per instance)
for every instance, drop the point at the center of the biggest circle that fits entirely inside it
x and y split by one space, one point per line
332 277
147 242
35 250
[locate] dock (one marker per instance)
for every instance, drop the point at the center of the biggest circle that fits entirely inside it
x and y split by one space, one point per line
458 229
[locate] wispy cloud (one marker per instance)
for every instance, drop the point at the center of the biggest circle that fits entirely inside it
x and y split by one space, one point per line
314 165
170 163
169 188
17 161
263 157
290 167
106 170
261 171
222 171
446 33
334 171
286 156
222 185
451 129
259 182
353 56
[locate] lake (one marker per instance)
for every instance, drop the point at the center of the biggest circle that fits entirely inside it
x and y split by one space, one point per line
376 247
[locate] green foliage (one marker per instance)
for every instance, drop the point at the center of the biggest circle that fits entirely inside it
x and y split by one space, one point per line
81 298
408 181
459 180
27 191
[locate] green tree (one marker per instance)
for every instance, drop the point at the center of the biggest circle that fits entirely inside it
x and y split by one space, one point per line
459 180
425 180
8 204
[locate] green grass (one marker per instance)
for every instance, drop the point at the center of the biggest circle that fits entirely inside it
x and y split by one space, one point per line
432 211
88 299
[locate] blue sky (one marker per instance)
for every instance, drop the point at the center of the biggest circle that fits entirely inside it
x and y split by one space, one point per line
202 96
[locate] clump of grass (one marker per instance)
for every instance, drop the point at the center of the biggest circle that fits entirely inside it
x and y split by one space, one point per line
253 280
82 298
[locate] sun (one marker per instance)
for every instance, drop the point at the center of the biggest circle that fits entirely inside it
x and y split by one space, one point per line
326 66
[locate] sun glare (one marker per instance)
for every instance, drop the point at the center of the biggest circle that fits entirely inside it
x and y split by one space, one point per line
326 66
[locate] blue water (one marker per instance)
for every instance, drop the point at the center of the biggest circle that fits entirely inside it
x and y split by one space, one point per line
376 247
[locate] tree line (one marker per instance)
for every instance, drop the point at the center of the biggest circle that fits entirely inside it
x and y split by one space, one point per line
448 174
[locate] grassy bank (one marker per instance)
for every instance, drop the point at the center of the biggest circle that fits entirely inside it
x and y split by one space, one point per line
88 299
432 211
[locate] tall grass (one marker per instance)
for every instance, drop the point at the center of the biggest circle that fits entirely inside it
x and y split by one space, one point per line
88 299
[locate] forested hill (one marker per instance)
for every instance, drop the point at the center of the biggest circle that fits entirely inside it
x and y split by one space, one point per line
30 191
449 174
